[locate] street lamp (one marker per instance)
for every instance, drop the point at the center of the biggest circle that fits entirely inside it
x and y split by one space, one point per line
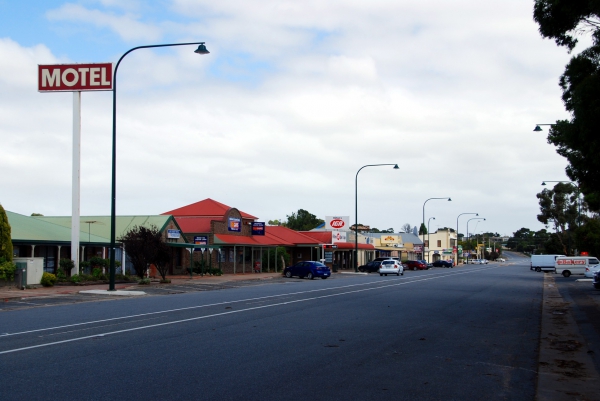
476 214
539 129
474 218
200 50
428 242
449 200
356 209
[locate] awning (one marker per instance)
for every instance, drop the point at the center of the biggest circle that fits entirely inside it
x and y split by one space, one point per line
350 245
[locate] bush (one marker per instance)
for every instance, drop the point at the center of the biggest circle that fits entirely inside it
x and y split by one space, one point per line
66 264
144 281
7 270
76 278
97 272
48 279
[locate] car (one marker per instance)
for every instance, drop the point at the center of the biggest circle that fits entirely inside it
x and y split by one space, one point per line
381 259
370 267
596 281
442 263
391 266
415 265
484 261
591 270
308 269
500 260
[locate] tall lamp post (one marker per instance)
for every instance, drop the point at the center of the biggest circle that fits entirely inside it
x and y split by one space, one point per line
356 209
476 214
200 50
474 218
449 200
428 242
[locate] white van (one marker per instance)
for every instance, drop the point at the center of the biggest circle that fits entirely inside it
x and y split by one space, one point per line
543 263
567 265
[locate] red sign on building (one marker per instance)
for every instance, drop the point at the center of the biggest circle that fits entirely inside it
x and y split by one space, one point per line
75 77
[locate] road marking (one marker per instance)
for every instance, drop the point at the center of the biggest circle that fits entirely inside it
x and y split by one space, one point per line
232 312
446 274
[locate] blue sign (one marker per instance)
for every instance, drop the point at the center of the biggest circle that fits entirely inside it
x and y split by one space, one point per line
200 240
173 234
234 224
258 228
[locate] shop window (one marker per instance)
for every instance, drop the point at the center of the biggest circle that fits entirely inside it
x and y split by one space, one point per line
439 243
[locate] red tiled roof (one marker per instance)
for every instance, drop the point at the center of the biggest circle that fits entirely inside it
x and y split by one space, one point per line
205 208
292 236
194 224
323 237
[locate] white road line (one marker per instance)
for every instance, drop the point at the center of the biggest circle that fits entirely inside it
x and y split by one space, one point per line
232 312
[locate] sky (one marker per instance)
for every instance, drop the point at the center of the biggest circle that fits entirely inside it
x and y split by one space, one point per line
293 99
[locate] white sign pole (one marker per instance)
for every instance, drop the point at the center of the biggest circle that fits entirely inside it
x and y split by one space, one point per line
75 224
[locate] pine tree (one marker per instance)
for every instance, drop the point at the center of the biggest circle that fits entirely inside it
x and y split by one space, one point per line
6 247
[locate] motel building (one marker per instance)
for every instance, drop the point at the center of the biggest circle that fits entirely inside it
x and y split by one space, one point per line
206 233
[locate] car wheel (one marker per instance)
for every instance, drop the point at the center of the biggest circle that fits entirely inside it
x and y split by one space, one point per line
288 274
415 269
402 273
309 276
538 269
566 273
381 274
398 274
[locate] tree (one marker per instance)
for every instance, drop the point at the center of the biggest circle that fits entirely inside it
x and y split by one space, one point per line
6 247
303 221
144 246
423 229
560 207
275 222
577 139
588 237
406 228
269 261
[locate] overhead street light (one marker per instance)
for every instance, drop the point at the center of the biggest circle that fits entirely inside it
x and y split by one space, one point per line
476 214
449 200
356 209
200 50
428 232
474 218
539 129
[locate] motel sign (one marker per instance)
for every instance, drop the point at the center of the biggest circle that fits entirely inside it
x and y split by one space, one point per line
75 77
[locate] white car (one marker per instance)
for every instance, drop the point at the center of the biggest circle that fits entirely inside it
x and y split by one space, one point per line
500 260
590 270
391 266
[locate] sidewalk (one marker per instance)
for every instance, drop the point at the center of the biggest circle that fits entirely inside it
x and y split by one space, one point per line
7 293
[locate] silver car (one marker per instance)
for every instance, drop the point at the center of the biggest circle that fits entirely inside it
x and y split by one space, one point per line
391 266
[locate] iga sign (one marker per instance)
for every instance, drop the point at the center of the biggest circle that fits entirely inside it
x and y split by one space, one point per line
337 222
75 77
338 236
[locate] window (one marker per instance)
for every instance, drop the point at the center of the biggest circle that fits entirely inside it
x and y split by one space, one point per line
426 243
594 262
439 243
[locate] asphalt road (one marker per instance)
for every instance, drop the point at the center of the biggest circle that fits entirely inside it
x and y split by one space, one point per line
444 334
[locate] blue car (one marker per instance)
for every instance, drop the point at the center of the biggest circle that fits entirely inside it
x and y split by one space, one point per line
309 270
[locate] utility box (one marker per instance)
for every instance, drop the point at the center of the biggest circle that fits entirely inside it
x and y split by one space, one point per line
21 275
34 269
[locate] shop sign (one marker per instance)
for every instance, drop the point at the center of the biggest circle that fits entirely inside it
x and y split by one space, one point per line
337 222
200 240
173 233
418 248
75 77
234 224
328 257
258 228
390 240
338 236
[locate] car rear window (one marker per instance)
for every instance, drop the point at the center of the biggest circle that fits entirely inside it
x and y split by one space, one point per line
387 262
319 264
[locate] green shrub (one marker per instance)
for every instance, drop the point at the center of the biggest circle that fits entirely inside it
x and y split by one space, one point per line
48 279
96 272
144 281
66 264
7 270
76 278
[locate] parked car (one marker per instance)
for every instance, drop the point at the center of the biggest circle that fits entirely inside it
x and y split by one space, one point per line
500 260
590 270
568 265
415 265
442 263
381 259
370 267
391 266
484 261
596 282
308 269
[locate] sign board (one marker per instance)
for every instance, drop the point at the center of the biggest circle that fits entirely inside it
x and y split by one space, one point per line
200 240
388 239
338 236
173 234
75 77
234 224
337 222
570 261
418 248
258 228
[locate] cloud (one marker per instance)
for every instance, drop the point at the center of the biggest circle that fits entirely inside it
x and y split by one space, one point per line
127 26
